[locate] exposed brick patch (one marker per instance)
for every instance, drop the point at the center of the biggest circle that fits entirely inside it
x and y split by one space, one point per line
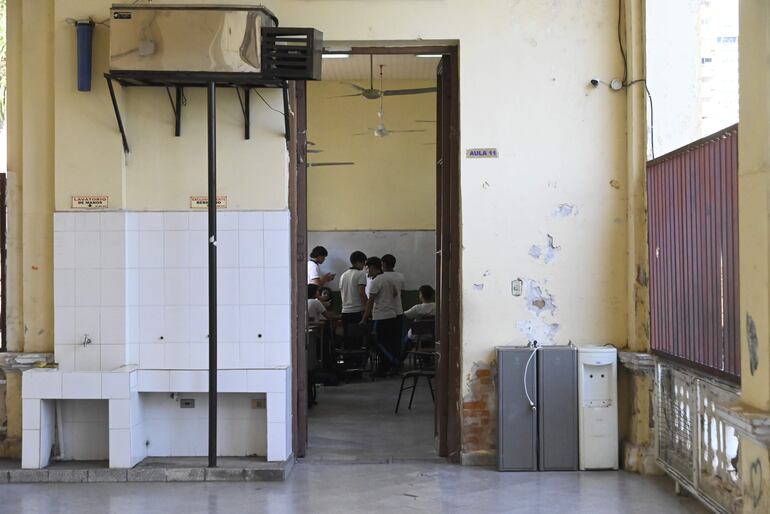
479 409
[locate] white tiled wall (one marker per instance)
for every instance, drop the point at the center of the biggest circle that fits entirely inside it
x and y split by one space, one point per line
90 290
136 284
128 414
173 431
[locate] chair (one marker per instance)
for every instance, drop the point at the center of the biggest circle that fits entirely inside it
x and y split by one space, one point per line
352 353
429 372
423 357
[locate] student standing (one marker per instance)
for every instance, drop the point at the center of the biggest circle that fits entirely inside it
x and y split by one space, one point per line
352 289
388 266
317 257
381 308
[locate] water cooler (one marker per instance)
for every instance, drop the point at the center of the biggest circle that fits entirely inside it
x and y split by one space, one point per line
537 412
598 407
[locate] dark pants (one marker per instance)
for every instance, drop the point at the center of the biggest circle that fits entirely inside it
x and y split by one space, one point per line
388 341
351 318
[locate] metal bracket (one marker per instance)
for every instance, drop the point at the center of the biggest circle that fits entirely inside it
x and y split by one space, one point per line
177 108
245 102
117 114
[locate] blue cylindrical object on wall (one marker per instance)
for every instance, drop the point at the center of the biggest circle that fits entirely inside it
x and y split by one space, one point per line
85 31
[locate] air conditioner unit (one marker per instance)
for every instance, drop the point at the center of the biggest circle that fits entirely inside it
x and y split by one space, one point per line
188 38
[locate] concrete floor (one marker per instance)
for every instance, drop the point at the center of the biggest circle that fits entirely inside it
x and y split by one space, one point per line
355 422
398 487
365 458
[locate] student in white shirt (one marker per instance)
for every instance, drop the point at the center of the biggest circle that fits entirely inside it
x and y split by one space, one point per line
317 257
316 311
352 289
425 309
381 308
389 267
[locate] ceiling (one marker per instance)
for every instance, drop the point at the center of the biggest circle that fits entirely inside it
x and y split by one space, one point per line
397 67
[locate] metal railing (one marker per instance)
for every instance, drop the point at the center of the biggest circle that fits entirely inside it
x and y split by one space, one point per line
692 200
695 445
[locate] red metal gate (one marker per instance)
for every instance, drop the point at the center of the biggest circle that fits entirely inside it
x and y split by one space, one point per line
692 201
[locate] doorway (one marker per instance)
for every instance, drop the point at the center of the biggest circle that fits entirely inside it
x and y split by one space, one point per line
442 417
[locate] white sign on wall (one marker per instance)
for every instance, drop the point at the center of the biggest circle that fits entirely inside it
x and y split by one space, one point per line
202 202
90 202
481 153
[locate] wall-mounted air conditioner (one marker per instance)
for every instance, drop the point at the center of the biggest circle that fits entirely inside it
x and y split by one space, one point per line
188 38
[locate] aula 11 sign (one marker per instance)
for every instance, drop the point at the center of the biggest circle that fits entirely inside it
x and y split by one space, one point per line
481 153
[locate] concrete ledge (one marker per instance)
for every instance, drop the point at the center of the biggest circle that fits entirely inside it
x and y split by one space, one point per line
148 475
107 475
186 475
28 475
67 476
171 469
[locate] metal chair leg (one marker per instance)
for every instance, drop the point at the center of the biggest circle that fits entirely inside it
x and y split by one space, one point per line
400 390
414 388
430 386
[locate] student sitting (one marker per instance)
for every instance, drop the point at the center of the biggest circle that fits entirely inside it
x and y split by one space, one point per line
316 311
425 309
325 296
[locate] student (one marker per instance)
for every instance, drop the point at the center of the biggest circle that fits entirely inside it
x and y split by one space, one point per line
317 257
381 308
316 312
425 309
388 266
352 286
326 296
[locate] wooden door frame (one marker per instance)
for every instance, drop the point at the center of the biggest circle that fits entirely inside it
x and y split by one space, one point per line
448 411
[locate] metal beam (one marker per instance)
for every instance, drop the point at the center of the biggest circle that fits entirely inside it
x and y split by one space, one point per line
212 215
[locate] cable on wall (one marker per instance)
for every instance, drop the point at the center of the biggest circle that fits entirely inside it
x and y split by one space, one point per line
627 84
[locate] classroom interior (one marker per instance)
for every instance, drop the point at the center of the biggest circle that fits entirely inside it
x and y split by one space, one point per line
371 187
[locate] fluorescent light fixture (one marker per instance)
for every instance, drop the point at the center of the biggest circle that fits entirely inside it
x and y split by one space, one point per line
430 56
335 56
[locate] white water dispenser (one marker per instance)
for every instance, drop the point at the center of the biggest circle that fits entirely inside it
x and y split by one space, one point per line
598 407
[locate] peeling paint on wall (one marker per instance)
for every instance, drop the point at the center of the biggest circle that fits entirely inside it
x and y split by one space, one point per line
548 252
538 330
539 299
641 276
479 432
541 303
615 184
751 335
564 210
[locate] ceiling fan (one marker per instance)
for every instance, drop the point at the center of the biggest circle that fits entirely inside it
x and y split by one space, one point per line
374 94
380 130
317 164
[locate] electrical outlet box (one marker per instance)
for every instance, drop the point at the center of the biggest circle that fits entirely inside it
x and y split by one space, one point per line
187 403
517 287
258 404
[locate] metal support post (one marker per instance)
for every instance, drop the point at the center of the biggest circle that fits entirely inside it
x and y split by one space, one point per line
212 212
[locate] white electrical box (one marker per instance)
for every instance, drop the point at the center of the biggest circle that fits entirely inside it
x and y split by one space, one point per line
598 407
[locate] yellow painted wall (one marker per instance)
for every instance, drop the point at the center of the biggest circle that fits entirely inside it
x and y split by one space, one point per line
524 72
162 171
560 141
393 183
